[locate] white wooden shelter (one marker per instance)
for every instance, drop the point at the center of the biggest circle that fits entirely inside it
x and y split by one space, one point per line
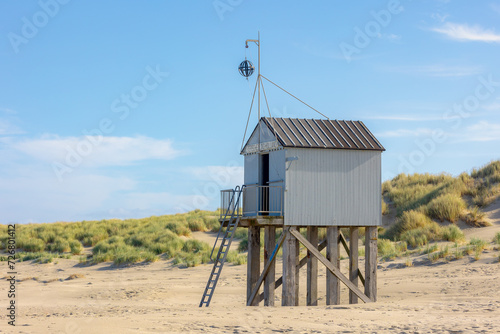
303 173
320 172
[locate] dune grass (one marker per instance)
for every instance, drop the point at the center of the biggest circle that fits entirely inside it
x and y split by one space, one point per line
441 195
422 201
446 207
122 241
40 257
496 238
475 217
385 208
486 187
478 243
410 192
389 250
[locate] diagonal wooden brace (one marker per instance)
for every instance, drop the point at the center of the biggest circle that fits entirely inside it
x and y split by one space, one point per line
330 266
302 263
346 247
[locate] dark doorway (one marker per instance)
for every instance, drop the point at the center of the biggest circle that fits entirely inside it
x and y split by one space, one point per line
264 182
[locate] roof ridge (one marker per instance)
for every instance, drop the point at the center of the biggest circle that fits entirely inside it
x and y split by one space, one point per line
319 133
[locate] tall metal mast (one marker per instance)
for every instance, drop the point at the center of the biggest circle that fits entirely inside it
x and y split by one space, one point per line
257 41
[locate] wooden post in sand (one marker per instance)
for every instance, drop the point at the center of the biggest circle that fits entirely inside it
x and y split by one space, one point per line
269 283
253 263
289 270
353 262
333 255
312 268
371 236
297 269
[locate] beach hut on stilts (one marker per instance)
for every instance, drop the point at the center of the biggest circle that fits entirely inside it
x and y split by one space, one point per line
303 175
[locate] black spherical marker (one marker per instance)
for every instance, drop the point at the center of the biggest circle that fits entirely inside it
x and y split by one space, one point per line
246 68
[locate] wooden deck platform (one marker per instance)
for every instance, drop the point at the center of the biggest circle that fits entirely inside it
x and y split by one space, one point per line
262 221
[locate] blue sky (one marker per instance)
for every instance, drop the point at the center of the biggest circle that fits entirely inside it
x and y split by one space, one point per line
129 109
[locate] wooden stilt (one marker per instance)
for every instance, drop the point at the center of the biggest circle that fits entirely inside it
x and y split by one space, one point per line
289 269
269 244
297 269
312 268
371 236
333 255
272 258
353 262
253 263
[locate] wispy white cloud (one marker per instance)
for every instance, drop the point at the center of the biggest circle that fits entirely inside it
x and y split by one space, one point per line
439 17
493 106
481 132
436 70
35 188
326 51
96 151
7 128
495 7
85 196
143 201
390 37
224 176
409 118
8 111
465 32
405 133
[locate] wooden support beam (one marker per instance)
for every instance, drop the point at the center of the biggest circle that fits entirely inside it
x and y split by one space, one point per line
289 269
297 269
344 243
333 255
329 266
252 300
371 236
353 262
269 284
312 268
302 263
253 263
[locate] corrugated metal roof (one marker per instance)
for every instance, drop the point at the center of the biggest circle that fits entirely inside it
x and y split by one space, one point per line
322 133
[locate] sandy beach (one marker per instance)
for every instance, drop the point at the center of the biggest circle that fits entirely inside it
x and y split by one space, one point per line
444 296
460 296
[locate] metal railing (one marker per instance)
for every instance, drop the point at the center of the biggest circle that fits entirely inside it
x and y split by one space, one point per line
262 200
257 201
228 203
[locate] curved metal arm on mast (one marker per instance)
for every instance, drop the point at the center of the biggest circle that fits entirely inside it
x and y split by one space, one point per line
257 42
